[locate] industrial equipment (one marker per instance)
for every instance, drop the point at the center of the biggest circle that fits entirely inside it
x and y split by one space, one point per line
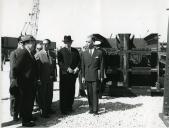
31 26
132 64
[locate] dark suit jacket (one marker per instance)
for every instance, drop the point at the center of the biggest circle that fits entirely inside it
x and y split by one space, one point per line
24 69
45 66
13 58
92 66
67 59
54 67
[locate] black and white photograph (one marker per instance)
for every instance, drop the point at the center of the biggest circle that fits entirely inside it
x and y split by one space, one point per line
84 63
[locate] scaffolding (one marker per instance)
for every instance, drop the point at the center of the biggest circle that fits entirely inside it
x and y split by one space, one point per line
31 27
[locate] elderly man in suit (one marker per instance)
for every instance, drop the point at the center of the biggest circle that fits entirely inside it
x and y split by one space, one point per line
15 95
92 71
45 71
24 72
69 63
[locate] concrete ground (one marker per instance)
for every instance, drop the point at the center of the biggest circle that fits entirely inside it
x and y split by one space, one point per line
121 112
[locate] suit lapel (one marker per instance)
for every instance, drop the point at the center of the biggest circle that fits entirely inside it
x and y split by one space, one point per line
69 55
29 54
94 55
94 52
89 57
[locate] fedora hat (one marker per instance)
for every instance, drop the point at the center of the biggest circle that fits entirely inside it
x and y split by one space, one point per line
67 39
46 41
27 38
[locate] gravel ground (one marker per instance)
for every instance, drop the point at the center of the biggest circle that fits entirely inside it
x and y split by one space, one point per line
137 112
123 112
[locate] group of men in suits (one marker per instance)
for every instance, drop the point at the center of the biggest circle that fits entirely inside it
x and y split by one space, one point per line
91 65
29 69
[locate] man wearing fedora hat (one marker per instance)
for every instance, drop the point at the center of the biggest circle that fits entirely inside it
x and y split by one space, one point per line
24 74
69 63
13 89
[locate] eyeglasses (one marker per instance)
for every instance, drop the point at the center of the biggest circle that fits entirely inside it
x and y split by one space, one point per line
88 42
45 44
33 41
39 48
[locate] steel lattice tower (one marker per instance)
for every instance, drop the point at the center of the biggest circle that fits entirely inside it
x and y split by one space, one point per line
31 27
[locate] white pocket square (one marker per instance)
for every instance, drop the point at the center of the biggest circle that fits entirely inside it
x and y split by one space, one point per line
96 57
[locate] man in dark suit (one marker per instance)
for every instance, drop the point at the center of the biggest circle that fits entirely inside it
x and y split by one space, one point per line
69 63
81 85
46 70
15 95
24 70
92 71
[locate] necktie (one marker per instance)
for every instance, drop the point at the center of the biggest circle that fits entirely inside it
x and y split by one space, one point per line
90 51
49 58
69 49
47 54
31 54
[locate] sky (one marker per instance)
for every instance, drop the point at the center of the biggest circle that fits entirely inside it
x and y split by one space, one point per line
80 18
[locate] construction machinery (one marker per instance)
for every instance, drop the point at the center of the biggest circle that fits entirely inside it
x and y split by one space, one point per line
31 26
165 72
131 65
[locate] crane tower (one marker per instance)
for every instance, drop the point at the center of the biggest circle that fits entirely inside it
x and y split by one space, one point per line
31 26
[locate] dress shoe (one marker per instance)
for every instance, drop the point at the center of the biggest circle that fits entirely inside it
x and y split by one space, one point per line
37 109
15 118
34 118
70 110
45 116
65 112
100 96
50 111
90 111
28 124
95 113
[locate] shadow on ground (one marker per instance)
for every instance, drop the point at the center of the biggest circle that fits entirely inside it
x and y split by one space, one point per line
9 123
80 107
117 106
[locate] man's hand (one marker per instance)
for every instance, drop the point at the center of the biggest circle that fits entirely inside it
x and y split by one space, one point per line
83 80
76 70
14 82
69 70
101 80
38 83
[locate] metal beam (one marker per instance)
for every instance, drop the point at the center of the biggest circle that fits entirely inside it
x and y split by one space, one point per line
166 80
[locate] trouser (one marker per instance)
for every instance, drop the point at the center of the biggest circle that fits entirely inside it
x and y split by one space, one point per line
37 104
45 96
67 91
92 91
15 105
101 87
81 85
27 102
